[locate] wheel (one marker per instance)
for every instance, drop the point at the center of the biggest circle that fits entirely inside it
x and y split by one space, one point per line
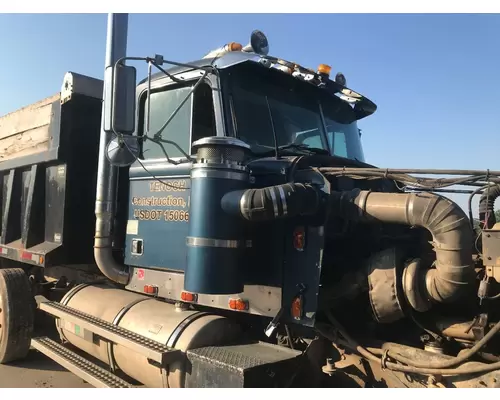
17 315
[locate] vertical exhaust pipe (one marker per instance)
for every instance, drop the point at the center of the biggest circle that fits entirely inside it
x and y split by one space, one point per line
107 175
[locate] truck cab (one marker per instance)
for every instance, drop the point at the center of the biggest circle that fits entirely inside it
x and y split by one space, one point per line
254 102
281 112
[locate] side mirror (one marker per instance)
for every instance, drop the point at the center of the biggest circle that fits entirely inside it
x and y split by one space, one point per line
119 99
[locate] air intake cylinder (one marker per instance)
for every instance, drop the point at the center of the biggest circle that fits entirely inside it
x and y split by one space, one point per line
217 241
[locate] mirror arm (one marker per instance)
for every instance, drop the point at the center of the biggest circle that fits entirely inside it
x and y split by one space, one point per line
150 64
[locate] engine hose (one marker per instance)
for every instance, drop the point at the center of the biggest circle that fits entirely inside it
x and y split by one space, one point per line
487 206
403 368
273 202
448 363
489 357
444 219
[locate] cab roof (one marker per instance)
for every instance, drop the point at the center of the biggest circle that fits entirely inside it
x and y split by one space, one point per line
362 106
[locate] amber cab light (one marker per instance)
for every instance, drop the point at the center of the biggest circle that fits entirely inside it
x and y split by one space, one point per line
190 297
234 46
324 69
299 238
238 304
150 289
296 309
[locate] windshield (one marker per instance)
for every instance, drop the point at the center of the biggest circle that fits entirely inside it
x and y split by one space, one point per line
265 102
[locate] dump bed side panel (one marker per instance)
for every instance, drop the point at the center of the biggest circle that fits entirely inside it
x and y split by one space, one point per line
48 178
27 131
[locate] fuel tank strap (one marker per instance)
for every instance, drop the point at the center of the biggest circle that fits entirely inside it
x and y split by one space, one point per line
174 336
122 312
72 292
116 321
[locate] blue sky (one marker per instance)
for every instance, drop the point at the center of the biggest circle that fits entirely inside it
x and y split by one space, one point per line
434 77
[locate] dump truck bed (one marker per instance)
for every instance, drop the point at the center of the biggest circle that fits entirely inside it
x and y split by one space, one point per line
27 131
48 168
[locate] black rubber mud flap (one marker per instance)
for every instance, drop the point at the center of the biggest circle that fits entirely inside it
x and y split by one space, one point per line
17 315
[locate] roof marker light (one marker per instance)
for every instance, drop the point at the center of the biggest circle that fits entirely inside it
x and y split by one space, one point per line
234 46
227 48
285 66
324 69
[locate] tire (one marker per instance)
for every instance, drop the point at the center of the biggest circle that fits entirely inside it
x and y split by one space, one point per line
17 315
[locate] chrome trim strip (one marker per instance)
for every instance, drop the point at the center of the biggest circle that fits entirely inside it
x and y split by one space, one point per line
235 176
283 200
166 177
275 203
234 166
220 141
362 204
409 208
221 243
243 203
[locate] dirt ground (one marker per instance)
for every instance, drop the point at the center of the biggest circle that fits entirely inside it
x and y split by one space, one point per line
38 371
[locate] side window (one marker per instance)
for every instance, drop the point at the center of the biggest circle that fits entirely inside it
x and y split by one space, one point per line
163 104
195 120
339 143
344 140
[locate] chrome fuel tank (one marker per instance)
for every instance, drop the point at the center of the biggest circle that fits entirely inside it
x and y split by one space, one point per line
157 320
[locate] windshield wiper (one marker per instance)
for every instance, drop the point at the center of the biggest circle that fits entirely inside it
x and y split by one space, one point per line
295 147
303 147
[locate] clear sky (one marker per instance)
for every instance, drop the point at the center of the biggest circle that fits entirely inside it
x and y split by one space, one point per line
435 78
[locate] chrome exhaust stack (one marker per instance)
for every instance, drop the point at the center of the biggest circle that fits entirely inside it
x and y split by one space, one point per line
107 174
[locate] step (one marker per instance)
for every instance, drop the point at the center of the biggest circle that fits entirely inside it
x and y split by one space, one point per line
154 351
81 367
